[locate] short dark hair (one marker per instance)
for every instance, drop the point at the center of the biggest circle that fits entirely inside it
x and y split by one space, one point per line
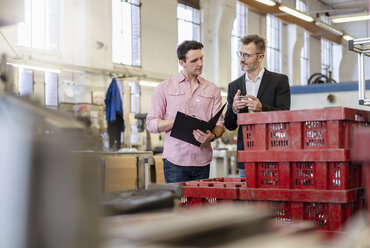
187 45
259 41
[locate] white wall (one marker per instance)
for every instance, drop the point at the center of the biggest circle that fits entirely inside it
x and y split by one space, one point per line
337 58
159 38
73 34
295 57
347 99
257 25
315 55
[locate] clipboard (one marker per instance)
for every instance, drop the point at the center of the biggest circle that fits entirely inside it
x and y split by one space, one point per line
185 124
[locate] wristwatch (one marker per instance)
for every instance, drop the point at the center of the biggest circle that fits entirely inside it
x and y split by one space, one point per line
214 137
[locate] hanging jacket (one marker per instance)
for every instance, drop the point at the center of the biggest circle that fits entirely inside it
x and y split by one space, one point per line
113 102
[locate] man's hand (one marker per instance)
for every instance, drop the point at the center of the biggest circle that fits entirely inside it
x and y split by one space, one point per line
165 125
203 137
253 104
239 102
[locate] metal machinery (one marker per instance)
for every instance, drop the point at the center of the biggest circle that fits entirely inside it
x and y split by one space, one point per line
141 118
49 193
362 47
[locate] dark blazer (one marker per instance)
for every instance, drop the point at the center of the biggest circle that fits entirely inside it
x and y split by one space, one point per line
273 93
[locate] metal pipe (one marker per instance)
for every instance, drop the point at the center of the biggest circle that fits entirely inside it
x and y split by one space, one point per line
361 79
361 41
146 173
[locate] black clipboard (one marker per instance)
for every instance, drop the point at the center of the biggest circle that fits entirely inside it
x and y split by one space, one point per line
185 124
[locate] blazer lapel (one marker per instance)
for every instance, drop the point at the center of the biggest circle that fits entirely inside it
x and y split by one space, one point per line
264 82
241 85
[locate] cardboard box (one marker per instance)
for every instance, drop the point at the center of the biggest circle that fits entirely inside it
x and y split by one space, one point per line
158 162
120 173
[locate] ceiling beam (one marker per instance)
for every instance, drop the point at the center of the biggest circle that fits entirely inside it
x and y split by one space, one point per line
192 3
311 27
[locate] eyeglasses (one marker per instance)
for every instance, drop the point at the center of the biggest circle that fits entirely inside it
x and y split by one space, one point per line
246 56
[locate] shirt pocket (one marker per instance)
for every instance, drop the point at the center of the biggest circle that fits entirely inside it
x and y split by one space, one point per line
204 101
175 102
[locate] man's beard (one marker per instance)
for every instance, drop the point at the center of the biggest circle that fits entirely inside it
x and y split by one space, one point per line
248 68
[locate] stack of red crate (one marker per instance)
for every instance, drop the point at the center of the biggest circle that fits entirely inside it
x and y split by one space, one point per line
299 162
211 191
361 155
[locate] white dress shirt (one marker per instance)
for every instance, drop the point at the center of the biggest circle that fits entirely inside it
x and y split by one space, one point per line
252 87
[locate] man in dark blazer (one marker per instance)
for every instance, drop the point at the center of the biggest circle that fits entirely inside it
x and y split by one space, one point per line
255 91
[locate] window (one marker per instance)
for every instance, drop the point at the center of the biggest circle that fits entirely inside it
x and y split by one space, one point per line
240 29
135 97
40 28
126 32
51 89
273 44
25 81
301 6
188 23
304 56
304 60
326 52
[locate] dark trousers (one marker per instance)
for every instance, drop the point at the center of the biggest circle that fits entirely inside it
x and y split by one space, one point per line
175 173
114 132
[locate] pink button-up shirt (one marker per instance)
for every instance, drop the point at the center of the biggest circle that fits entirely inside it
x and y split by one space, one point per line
174 95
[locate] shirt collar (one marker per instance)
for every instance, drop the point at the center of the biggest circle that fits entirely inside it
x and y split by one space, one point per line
181 78
259 76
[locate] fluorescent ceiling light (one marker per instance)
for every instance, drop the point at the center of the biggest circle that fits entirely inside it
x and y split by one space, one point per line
351 18
348 37
329 28
267 2
296 13
36 68
148 84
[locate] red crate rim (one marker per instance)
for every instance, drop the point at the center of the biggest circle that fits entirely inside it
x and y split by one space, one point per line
361 144
299 195
324 114
311 155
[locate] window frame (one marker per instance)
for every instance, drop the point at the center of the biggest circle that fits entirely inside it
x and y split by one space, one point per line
304 56
57 89
236 35
272 23
26 32
120 58
193 22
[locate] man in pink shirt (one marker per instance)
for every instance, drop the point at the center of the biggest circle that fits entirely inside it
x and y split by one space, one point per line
191 94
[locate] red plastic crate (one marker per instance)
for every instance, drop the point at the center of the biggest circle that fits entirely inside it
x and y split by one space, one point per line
224 180
201 202
209 190
361 155
296 195
301 129
228 181
328 209
301 169
360 151
203 192
327 216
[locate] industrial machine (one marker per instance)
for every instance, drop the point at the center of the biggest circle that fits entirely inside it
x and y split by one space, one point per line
362 47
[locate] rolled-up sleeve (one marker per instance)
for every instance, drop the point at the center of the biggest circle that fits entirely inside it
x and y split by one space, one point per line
157 109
